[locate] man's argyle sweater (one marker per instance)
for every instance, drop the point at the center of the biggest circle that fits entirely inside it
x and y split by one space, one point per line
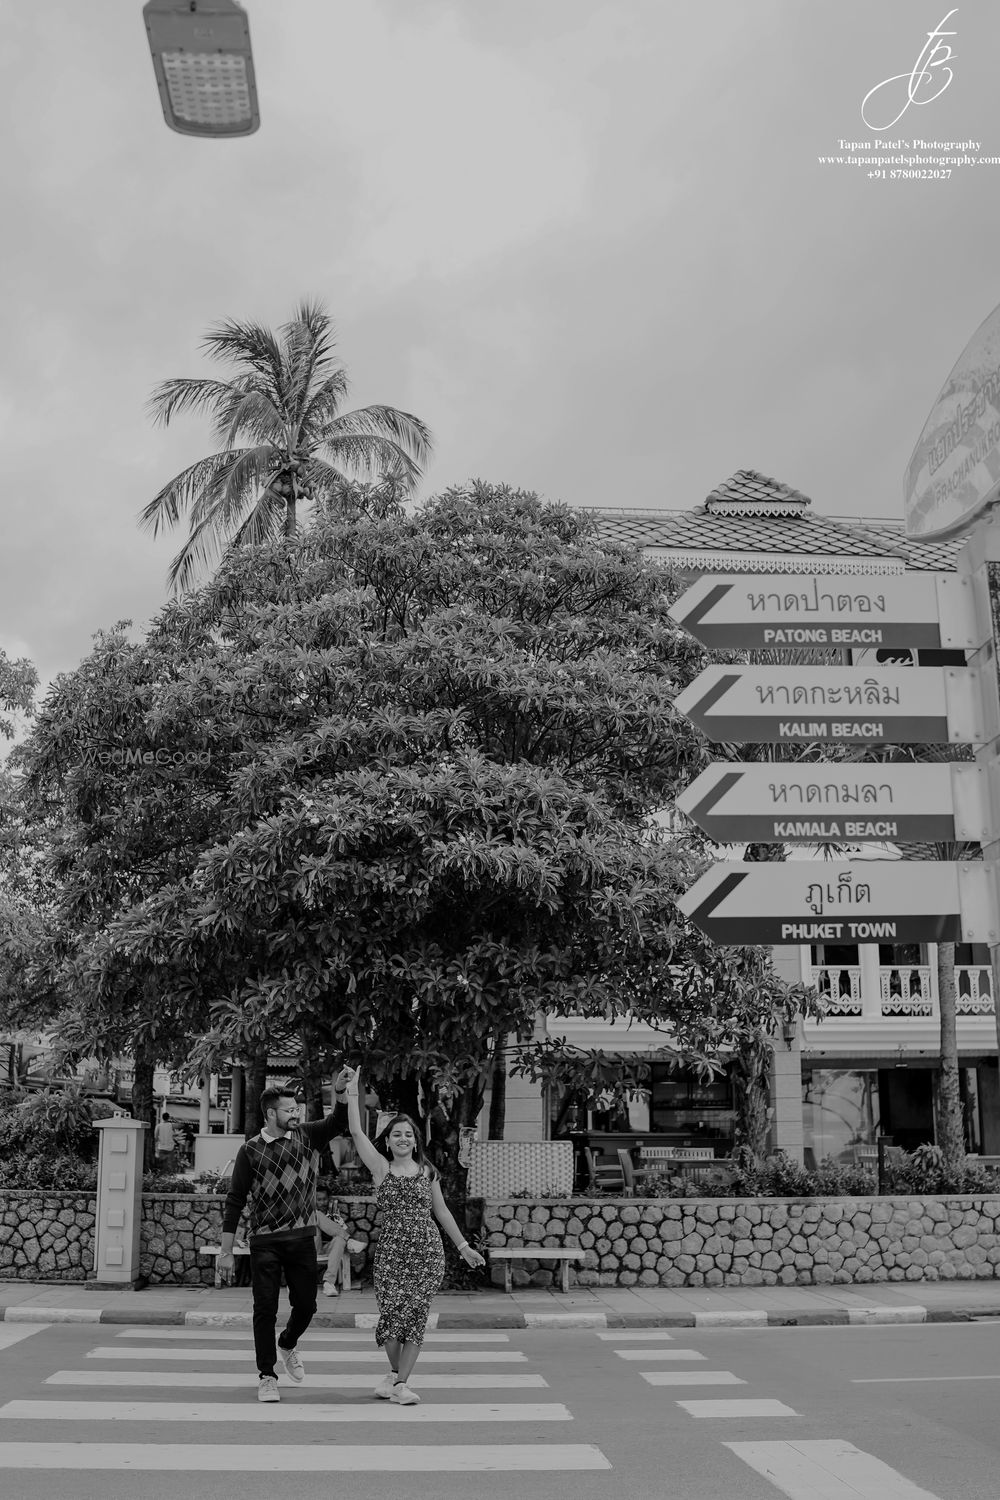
279 1178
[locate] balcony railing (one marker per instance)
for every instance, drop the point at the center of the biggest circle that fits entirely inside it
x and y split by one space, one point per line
840 987
904 990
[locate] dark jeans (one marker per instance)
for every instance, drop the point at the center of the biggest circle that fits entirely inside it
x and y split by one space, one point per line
297 1258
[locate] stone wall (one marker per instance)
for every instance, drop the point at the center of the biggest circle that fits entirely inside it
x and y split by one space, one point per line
754 1242
46 1236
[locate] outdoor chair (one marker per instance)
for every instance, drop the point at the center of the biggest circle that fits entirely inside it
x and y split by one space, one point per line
603 1174
634 1176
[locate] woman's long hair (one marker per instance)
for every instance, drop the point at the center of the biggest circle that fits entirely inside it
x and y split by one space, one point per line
423 1161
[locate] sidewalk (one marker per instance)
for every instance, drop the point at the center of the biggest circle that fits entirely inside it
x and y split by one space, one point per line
583 1307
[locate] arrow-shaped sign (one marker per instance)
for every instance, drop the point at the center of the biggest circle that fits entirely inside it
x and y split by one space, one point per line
831 803
862 901
895 706
739 613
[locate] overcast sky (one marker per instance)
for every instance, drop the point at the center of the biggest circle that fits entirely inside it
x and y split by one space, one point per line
591 244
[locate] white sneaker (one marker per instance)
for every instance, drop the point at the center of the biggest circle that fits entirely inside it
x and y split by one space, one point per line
354 1247
267 1390
385 1387
294 1368
403 1396
331 1289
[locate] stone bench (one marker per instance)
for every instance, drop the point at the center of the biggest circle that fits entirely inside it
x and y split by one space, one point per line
562 1253
343 1275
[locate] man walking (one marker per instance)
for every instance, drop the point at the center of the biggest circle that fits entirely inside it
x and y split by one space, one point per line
277 1171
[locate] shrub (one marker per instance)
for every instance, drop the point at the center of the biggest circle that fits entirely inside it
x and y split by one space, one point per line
60 1172
54 1121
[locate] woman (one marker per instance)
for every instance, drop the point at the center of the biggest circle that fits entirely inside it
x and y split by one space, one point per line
409 1259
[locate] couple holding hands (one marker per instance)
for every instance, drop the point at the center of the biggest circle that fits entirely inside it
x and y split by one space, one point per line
276 1170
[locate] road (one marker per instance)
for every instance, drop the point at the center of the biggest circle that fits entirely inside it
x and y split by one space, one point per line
147 1413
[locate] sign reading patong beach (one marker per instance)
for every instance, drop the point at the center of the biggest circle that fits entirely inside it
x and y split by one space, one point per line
836 803
861 901
734 612
896 706
954 473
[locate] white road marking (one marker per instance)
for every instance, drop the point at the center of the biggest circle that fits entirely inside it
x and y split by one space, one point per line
616 1334
228 1380
310 1356
300 1458
52 1315
252 1411
314 1335
659 1354
828 1469
900 1379
10 1336
691 1377
762 1407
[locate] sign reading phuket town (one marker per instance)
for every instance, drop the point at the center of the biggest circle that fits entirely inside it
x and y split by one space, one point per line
900 609
954 473
896 706
864 901
829 803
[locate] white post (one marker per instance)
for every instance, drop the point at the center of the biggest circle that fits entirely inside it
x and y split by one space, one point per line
119 1200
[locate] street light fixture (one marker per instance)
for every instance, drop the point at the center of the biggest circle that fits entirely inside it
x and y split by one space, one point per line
203 66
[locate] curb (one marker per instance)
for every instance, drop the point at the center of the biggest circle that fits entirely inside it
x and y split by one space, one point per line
868 1317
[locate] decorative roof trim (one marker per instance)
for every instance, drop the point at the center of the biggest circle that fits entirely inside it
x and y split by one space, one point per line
776 562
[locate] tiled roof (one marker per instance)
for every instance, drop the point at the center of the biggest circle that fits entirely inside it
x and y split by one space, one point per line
752 514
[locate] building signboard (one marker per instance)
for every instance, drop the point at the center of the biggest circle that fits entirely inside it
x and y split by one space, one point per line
859 901
824 802
737 613
835 705
954 472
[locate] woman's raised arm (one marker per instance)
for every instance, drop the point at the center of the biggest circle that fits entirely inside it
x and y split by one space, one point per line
373 1160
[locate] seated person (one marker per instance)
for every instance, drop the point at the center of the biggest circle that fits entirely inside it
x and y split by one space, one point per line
331 1229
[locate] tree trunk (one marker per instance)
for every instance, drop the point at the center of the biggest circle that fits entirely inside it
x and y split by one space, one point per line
256 1076
143 1102
750 1086
498 1088
951 1129
311 1076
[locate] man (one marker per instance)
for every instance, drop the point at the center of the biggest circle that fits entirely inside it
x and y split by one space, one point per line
165 1142
277 1171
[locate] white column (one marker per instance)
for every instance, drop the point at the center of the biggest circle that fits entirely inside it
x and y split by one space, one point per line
119 1200
871 992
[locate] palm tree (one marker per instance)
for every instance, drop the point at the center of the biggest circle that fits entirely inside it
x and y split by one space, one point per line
285 402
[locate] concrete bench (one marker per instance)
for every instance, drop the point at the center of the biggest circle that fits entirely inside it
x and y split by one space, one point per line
563 1253
343 1275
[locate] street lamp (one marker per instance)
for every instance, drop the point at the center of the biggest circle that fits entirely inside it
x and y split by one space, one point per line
203 66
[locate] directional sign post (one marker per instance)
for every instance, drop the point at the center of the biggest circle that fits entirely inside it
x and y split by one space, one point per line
836 705
861 901
919 610
776 803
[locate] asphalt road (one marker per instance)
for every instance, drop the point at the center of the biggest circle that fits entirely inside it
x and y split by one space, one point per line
888 1413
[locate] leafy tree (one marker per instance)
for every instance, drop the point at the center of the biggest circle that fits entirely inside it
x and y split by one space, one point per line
435 741
285 403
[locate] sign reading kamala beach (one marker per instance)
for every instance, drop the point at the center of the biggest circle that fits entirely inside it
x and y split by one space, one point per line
954 473
864 901
831 803
733 612
899 705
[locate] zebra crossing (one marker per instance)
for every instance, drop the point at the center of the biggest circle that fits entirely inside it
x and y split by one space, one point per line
801 1469
188 1377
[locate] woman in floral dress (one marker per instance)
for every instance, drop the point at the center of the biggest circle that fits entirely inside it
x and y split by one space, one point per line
409 1259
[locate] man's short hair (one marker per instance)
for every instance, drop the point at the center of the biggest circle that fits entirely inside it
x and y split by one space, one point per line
269 1099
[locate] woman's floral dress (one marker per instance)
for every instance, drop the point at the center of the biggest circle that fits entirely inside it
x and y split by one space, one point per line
409 1258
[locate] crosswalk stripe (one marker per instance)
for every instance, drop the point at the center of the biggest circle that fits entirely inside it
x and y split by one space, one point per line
827 1469
659 1354
301 1411
10 1336
355 1356
761 1407
314 1335
615 1335
327 1458
691 1377
228 1380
